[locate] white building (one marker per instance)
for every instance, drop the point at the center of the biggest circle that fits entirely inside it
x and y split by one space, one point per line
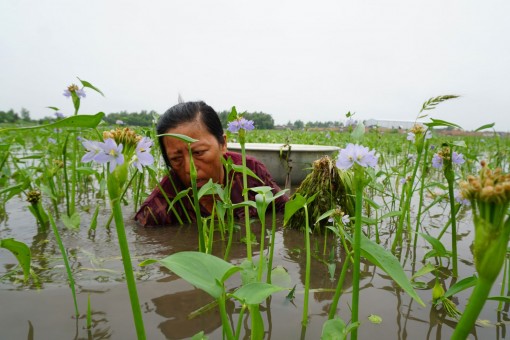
390 124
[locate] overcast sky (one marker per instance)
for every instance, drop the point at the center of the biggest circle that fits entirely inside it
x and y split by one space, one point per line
307 60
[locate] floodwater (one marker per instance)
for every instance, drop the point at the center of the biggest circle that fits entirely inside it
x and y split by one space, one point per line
45 310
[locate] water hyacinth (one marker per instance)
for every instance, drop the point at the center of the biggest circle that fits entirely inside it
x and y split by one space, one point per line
111 153
59 115
74 89
240 124
119 144
356 154
444 154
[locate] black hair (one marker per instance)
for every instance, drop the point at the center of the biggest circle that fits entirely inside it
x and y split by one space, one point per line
188 112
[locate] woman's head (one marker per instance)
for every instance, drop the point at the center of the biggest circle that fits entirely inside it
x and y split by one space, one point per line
199 121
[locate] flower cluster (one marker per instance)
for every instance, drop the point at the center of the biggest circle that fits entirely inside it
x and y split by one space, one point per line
356 154
446 155
240 123
491 186
119 144
34 196
74 89
418 131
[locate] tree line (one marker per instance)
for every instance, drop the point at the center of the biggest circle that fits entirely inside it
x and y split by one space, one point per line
262 121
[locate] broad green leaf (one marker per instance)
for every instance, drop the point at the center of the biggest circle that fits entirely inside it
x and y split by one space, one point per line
436 245
281 277
486 126
232 115
209 188
203 271
439 122
184 138
460 143
200 336
389 264
292 206
256 292
325 215
463 284
21 251
72 222
428 268
358 132
78 121
249 172
335 329
90 86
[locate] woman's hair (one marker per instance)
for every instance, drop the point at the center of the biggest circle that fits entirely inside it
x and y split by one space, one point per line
185 113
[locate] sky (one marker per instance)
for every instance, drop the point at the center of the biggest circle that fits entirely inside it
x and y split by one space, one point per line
295 60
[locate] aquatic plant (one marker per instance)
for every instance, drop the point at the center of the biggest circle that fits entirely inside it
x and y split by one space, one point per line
489 194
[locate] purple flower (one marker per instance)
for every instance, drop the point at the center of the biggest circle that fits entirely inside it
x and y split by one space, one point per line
460 199
81 93
119 122
143 156
411 137
437 161
354 153
51 140
110 153
403 180
350 122
345 219
93 149
59 114
428 134
328 136
457 158
240 123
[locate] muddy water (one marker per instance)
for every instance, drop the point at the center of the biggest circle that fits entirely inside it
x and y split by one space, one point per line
45 310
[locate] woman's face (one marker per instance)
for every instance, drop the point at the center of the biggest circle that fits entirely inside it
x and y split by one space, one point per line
207 153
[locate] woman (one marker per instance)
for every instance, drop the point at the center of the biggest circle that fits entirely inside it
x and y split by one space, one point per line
199 121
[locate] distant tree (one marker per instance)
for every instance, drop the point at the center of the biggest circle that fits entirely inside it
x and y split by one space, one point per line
261 120
8 116
143 118
298 124
25 115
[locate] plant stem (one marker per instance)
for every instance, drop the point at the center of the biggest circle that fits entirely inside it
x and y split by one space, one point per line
339 286
246 208
454 226
128 268
66 263
271 246
473 309
357 249
223 314
307 273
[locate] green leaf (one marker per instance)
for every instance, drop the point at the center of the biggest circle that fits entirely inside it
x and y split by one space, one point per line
292 206
358 132
335 329
22 253
486 126
460 143
439 122
232 115
72 222
390 214
184 138
499 298
389 264
256 292
463 284
204 271
200 336
376 319
428 268
90 86
436 245
53 108
78 121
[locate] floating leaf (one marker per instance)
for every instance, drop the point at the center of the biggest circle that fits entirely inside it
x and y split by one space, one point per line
374 318
72 222
256 292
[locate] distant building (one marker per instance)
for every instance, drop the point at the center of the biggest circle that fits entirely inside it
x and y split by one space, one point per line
389 124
